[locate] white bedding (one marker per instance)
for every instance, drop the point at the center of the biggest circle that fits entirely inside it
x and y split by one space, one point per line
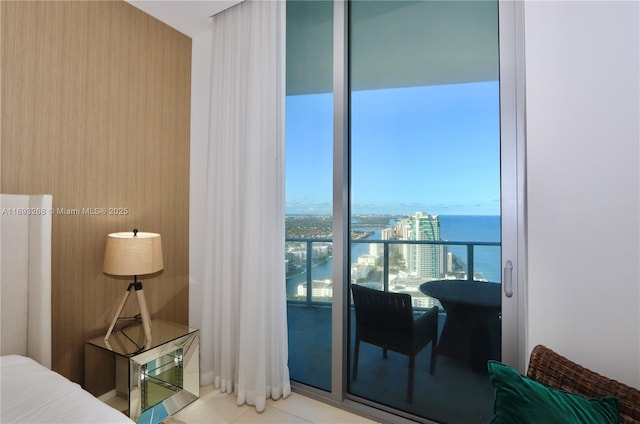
34 394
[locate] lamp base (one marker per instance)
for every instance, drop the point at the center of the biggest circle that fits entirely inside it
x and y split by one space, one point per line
144 311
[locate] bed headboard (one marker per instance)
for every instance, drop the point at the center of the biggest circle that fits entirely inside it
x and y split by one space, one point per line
25 275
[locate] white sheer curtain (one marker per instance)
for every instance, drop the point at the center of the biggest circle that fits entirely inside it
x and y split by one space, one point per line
244 329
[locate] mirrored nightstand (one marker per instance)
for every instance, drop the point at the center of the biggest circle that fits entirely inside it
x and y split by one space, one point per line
132 377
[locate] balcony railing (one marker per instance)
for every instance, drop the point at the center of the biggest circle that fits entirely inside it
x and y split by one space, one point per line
309 257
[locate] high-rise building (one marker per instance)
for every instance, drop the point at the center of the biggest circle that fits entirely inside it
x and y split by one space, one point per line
425 260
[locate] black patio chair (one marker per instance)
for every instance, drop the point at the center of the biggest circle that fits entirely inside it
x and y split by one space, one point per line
386 319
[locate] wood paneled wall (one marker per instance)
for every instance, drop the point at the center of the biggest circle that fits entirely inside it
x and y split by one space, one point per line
95 111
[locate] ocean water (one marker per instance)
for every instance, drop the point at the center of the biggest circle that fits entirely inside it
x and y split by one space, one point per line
463 228
475 228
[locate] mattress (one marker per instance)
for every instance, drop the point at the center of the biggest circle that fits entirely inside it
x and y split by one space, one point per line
33 394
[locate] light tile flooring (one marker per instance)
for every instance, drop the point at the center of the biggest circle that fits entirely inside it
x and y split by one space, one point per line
214 407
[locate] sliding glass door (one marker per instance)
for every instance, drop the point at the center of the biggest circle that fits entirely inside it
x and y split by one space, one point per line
402 178
309 170
425 203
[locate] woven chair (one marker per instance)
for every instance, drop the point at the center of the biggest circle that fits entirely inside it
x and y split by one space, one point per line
556 371
386 319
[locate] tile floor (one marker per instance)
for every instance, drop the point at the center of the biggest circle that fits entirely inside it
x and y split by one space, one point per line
214 407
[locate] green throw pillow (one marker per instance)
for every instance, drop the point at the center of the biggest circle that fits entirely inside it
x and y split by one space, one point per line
520 400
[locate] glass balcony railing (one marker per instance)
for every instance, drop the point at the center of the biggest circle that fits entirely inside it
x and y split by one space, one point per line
389 265
381 264
309 269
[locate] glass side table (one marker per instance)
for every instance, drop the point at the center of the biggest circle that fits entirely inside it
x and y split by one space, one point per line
133 378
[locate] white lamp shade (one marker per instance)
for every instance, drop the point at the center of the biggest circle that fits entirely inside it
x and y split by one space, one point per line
125 254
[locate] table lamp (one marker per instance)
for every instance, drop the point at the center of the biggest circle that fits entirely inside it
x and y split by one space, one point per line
133 254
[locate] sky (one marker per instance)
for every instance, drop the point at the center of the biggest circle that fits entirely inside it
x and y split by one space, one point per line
433 149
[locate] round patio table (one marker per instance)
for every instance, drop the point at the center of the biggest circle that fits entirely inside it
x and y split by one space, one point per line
471 332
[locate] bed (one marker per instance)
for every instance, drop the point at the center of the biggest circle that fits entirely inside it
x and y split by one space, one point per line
30 391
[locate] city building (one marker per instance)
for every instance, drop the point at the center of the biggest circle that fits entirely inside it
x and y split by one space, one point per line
425 261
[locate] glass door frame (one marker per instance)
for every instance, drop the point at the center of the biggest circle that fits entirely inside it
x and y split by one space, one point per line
513 182
513 209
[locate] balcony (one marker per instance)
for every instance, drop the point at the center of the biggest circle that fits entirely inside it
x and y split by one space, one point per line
456 393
